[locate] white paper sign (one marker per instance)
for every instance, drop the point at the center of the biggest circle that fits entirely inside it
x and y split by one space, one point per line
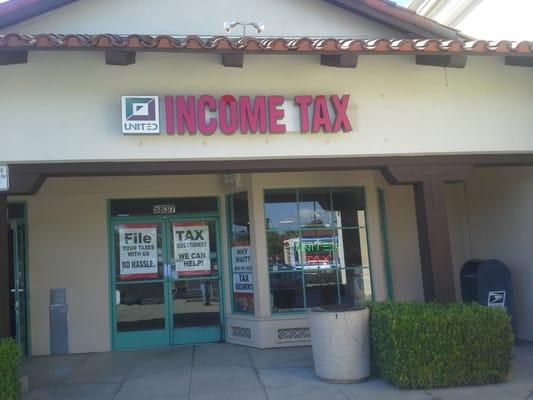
191 248
243 283
138 251
241 259
4 178
242 269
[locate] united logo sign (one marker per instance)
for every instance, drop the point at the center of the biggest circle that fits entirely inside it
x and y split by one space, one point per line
140 115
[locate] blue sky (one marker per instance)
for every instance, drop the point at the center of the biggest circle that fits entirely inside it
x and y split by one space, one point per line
402 2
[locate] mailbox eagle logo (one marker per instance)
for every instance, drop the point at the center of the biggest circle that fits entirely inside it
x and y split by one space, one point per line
496 299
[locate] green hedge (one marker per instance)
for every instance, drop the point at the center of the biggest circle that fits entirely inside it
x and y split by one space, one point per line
10 357
417 345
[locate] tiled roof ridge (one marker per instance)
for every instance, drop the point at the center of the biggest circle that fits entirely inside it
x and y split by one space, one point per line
134 42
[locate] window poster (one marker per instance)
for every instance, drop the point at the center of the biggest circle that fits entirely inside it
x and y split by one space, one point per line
138 251
191 248
242 268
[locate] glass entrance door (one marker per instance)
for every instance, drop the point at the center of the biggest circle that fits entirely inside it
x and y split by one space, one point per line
166 281
195 281
140 304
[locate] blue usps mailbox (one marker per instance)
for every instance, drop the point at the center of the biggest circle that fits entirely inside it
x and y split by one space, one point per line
487 282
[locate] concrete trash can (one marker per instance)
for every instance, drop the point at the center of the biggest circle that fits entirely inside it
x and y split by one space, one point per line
341 343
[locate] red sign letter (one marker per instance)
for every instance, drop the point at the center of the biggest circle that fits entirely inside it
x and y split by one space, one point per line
303 103
207 128
227 127
275 114
341 120
250 119
169 114
186 114
321 115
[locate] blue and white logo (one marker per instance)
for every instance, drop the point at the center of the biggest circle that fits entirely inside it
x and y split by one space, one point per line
496 299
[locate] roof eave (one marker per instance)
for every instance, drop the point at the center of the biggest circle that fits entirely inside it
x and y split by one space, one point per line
255 45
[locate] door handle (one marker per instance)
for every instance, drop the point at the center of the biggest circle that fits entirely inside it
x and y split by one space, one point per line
15 290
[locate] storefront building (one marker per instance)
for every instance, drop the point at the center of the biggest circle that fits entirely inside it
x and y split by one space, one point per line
170 189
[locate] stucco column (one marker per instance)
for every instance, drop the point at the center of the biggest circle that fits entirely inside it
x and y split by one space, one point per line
374 242
259 254
432 223
5 321
434 241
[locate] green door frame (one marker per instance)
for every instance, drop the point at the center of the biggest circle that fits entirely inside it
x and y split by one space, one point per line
22 319
385 242
143 339
167 336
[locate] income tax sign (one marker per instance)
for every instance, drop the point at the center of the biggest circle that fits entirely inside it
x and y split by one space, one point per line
191 248
230 115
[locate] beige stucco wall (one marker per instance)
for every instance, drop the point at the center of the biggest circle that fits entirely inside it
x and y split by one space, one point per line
397 107
403 237
67 234
500 225
457 212
403 243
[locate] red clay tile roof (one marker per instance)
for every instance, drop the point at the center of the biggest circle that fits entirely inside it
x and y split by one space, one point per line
382 11
222 44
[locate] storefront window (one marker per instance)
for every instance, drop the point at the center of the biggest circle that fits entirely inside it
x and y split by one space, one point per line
317 248
240 253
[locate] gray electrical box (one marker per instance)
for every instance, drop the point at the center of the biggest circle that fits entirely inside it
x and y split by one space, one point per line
58 321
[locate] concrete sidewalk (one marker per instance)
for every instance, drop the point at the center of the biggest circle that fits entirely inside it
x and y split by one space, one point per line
224 371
